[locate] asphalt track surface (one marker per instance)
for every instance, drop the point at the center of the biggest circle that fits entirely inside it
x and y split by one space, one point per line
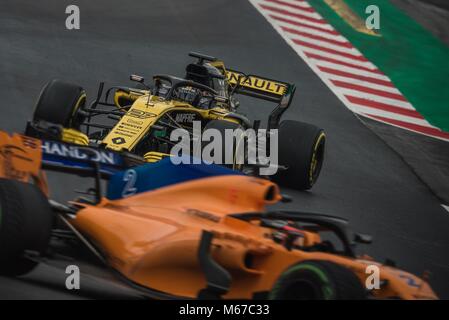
363 180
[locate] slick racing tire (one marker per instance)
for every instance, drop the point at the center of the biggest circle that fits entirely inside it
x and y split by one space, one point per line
221 126
317 280
59 103
26 221
301 150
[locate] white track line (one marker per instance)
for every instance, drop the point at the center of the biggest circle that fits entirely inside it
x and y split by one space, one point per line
365 64
296 16
382 113
279 18
325 45
359 83
312 31
354 71
371 97
293 7
303 4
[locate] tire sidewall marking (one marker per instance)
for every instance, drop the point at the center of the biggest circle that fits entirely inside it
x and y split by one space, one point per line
321 137
82 97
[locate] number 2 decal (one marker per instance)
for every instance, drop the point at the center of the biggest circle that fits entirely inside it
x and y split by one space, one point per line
130 177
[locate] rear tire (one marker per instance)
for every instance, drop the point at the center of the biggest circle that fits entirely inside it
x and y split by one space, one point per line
59 102
317 280
301 149
26 221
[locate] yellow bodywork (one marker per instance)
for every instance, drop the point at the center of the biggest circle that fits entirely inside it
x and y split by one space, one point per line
138 117
141 110
145 112
154 156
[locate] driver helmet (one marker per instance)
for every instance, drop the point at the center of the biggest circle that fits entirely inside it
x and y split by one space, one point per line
208 75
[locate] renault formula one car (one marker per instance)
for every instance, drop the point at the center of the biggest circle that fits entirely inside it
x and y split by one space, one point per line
180 231
142 119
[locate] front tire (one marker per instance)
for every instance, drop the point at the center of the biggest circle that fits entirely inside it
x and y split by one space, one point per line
301 149
26 221
59 103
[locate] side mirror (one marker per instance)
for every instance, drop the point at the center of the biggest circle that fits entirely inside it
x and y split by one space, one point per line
286 198
137 78
363 238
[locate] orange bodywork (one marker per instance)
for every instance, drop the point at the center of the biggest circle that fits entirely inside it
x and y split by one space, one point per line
152 238
20 159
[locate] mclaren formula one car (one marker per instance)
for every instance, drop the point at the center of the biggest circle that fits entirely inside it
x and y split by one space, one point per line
180 231
141 120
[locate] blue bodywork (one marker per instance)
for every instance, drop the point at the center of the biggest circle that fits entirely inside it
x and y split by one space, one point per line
63 155
160 174
124 180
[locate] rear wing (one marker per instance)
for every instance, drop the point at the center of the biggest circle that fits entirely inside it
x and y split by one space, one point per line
257 86
262 88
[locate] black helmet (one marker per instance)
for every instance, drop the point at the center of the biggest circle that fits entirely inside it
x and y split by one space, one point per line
208 75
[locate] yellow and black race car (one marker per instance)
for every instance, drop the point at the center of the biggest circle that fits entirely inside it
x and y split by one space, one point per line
141 120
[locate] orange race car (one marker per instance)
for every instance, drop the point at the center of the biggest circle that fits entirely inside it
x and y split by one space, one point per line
181 231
